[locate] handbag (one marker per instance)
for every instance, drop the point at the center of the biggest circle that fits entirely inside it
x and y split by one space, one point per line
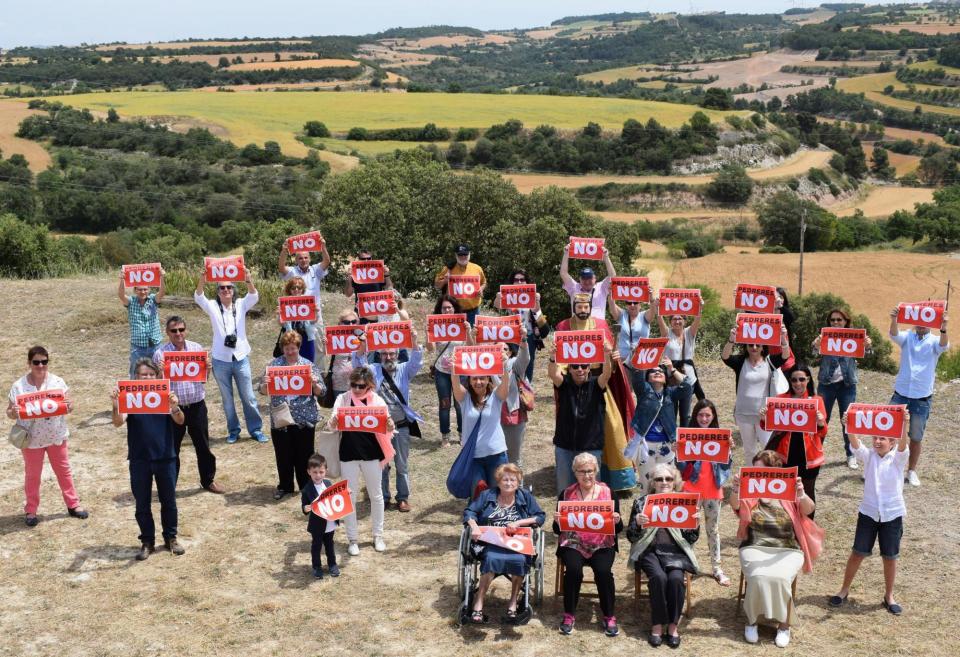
19 436
277 349
527 396
280 415
460 477
327 399
777 383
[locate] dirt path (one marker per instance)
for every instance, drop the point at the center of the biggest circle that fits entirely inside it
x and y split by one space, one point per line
11 114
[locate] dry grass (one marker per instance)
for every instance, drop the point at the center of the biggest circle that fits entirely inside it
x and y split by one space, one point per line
70 583
176 45
449 41
11 114
213 60
297 63
392 57
546 33
925 28
884 201
705 215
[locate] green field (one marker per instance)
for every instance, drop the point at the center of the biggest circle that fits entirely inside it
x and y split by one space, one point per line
872 87
263 116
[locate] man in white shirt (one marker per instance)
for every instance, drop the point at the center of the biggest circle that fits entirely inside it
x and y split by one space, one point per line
311 275
588 283
919 353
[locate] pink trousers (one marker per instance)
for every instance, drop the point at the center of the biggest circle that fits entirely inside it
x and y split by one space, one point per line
33 468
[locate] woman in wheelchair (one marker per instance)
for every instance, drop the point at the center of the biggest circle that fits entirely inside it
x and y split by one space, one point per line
664 555
579 549
506 505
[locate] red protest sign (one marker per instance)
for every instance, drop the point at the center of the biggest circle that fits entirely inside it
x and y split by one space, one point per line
40 404
759 329
521 541
446 328
478 360
374 304
298 309
843 342
579 346
768 483
224 270
389 335
518 297
342 340
145 396
464 287
367 271
587 517
678 301
696 444
586 248
785 414
921 313
334 502
755 298
185 366
677 510
368 419
648 353
141 275
498 329
305 242
876 419
630 288
289 380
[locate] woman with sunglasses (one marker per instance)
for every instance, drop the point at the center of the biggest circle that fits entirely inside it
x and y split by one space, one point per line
803 450
664 555
755 373
633 325
45 436
534 320
341 365
681 347
361 453
296 287
837 379
442 370
482 405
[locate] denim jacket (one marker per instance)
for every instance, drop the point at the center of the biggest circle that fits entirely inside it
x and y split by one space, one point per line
481 508
829 364
649 406
721 471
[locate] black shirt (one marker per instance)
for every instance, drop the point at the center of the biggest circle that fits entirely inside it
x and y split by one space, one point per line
150 437
359 445
580 414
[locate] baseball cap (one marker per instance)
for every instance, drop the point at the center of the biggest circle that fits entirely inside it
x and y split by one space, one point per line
586 272
462 250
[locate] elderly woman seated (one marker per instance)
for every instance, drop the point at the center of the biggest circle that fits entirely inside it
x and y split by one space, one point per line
779 539
579 549
664 555
506 505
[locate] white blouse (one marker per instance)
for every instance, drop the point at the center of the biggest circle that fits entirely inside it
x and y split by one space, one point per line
45 431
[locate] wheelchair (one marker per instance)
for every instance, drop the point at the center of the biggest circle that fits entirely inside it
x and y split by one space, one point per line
468 577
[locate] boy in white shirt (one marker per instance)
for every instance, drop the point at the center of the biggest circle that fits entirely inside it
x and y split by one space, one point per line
881 511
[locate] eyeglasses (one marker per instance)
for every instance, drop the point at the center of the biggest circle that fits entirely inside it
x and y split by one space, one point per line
358 386
40 362
586 473
579 367
798 379
662 480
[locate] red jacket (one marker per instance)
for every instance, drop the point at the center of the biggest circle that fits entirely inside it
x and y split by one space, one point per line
812 442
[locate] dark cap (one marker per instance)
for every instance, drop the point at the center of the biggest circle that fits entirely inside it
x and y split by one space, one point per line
586 272
462 250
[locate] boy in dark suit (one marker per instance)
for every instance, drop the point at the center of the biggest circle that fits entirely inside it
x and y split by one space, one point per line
320 530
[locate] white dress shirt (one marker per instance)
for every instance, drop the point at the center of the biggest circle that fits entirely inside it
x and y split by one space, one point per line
223 325
883 482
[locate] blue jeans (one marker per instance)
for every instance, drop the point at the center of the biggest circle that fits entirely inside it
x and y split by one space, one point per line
919 413
444 385
401 445
225 372
844 395
136 353
564 468
532 349
308 350
471 315
484 468
142 475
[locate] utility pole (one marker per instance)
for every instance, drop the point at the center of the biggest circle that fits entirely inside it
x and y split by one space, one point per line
803 231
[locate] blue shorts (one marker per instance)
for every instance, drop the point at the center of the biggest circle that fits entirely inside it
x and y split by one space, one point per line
919 413
869 530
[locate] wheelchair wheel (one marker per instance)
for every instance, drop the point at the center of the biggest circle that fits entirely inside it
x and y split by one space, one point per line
538 570
464 570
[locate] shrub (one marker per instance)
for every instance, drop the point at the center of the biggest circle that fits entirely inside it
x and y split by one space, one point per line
357 134
263 245
811 311
731 185
25 251
773 249
948 367
316 129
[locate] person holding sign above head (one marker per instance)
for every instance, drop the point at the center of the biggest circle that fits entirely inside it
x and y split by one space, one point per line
481 403
363 453
352 288
311 275
296 287
778 540
881 512
144 317
681 348
587 283
152 455
837 379
192 397
916 378
633 324
341 365
293 417
664 554
514 417
321 530
508 505
756 376
442 369
231 351
532 318
469 292
45 435
577 549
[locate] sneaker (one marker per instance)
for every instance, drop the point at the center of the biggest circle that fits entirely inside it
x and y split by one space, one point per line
610 627
146 550
566 625
912 478
751 634
378 544
318 572
232 438
353 549
174 546
852 462
334 570
260 437
783 638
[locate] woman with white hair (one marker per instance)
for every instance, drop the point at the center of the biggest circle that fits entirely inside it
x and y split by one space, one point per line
664 555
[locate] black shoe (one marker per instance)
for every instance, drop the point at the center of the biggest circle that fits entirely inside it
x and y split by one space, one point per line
334 570
31 521
77 512
836 600
318 572
893 608
174 546
655 640
279 494
673 641
146 549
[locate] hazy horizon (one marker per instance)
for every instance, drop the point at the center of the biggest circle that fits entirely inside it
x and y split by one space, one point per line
107 21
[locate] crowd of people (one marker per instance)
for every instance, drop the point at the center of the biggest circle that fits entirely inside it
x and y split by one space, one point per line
615 429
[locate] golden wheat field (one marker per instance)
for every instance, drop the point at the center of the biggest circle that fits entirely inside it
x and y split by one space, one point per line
11 114
176 45
293 63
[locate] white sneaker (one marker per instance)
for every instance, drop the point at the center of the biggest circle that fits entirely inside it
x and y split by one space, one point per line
783 638
912 478
378 544
353 549
751 634
852 462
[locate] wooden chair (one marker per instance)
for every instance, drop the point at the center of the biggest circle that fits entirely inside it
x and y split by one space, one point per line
638 587
558 583
742 592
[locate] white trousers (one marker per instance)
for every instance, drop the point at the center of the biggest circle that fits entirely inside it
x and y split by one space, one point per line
754 438
351 471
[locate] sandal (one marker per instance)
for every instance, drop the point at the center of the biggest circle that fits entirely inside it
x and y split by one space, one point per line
721 578
478 617
510 617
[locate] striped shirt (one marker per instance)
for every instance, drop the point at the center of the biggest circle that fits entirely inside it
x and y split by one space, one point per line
144 321
188 392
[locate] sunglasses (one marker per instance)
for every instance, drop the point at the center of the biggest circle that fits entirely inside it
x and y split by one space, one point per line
348 322
519 280
40 362
661 480
633 303
799 379
579 367
224 287
358 386
182 329
837 319
365 258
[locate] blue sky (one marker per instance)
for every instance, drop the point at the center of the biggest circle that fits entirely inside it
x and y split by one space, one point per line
72 22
